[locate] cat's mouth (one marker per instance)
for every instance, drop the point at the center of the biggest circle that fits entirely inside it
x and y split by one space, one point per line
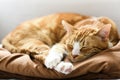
74 56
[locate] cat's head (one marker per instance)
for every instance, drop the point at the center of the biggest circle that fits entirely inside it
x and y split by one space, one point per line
85 41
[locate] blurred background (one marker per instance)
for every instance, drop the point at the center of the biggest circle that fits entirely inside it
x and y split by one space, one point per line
14 12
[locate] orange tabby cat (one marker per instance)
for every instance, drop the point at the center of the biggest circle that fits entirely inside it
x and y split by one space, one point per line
49 38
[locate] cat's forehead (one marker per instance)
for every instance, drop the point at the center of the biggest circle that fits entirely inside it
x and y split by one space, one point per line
81 33
85 30
87 27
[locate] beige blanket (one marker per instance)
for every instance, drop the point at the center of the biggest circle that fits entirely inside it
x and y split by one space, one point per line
105 63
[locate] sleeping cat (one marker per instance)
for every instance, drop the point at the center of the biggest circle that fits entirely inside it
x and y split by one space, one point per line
49 39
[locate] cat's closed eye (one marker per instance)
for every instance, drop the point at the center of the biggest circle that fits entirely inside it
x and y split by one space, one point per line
83 49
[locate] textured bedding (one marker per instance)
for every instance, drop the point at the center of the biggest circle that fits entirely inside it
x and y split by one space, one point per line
103 65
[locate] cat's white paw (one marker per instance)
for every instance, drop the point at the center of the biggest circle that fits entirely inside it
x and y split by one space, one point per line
64 67
55 56
52 61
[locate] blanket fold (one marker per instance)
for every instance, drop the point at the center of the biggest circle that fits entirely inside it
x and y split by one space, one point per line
106 63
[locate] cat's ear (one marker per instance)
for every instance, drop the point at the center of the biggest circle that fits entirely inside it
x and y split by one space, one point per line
68 27
104 32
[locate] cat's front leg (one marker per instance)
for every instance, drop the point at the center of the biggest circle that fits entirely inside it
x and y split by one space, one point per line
55 55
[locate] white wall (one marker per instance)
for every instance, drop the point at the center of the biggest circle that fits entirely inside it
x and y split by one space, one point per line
13 12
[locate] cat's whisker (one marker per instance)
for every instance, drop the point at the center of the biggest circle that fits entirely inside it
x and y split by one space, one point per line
94 18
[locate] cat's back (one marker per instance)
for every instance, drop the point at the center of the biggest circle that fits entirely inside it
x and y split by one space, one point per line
47 26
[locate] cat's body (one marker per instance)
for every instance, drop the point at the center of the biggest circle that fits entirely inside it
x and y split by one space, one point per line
47 40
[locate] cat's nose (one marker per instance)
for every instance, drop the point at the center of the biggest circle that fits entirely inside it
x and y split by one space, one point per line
75 52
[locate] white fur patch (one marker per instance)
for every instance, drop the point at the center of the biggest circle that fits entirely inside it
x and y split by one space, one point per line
64 67
55 56
94 18
0 45
52 60
110 44
76 48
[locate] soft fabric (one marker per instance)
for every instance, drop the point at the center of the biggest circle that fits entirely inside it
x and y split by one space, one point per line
106 63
